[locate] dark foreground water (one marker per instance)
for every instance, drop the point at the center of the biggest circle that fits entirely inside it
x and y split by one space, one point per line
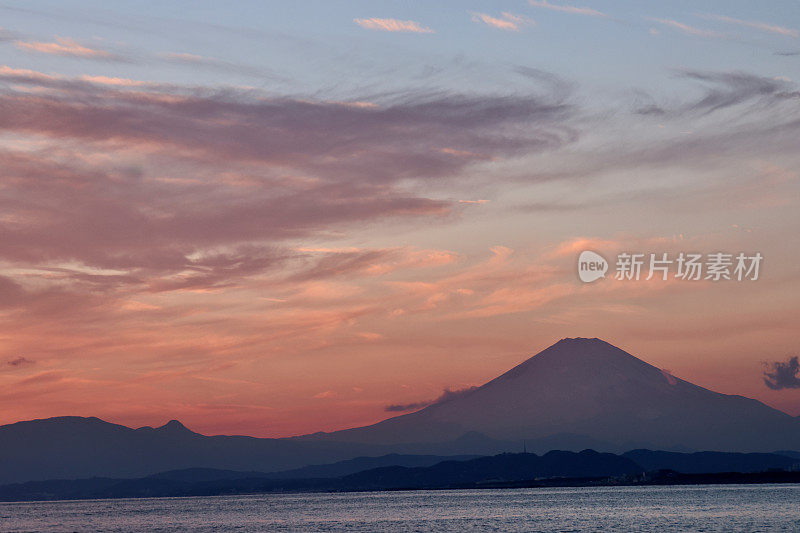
693 508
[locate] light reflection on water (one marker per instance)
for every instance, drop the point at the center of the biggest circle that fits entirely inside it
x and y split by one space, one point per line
691 508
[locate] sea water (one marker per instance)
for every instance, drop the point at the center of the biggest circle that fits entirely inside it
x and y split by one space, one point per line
662 509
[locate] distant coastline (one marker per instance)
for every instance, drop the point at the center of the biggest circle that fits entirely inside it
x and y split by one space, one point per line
505 471
652 479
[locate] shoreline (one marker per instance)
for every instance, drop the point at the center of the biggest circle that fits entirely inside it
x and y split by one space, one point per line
655 479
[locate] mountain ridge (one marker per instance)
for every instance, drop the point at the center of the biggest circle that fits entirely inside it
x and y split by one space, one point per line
578 393
554 468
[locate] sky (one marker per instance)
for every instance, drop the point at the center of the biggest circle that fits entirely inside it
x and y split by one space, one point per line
275 218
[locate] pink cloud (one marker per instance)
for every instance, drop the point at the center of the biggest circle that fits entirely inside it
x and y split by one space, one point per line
565 8
757 25
686 28
123 151
506 21
65 47
579 244
393 25
121 82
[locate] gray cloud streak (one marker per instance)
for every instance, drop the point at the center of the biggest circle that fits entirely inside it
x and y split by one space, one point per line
783 375
446 396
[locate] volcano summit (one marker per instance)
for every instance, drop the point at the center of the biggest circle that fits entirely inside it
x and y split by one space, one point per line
590 391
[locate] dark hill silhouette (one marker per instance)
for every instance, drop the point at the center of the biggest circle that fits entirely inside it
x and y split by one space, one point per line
710 462
500 468
77 447
199 475
555 468
503 468
788 453
359 464
576 394
322 471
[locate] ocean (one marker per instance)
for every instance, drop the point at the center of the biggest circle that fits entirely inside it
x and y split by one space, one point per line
657 508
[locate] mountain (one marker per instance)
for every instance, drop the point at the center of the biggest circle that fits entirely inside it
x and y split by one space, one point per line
588 389
322 471
788 453
576 394
77 447
555 468
506 467
503 468
359 464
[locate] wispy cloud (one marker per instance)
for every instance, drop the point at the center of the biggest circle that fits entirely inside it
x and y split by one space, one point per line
565 8
67 47
19 362
83 82
506 21
120 82
755 24
8 35
446 396
728 89
215 64
63 46
371 262
685 28
402 407
395 25
783 375
274 160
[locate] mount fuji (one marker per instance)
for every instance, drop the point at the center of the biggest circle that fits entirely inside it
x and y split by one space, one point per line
587 392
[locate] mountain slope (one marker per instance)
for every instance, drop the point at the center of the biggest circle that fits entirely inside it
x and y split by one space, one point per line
77 447
590 388
71 447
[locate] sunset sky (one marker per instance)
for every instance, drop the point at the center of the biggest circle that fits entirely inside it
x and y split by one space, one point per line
274 218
